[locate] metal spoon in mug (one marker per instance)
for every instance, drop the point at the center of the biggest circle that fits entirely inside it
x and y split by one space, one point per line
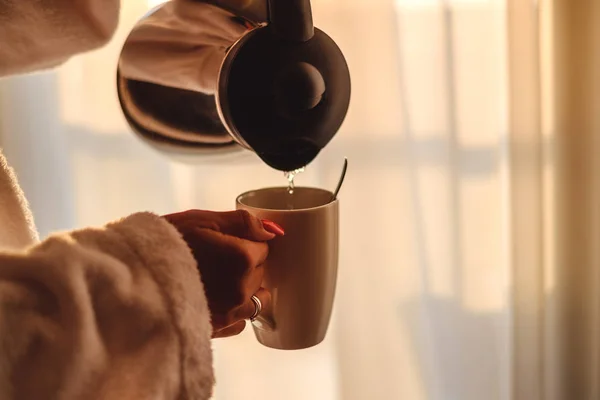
339 185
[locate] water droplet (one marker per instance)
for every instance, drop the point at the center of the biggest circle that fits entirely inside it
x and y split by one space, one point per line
290 175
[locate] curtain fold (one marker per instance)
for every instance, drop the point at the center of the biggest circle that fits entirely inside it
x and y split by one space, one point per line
573 332
555 204
526 201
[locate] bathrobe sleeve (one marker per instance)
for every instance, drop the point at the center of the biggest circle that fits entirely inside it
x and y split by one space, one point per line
111 313
39 34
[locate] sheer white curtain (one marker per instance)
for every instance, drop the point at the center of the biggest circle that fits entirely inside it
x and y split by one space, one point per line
468 268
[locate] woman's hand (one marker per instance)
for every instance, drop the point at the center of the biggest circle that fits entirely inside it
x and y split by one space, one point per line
230 248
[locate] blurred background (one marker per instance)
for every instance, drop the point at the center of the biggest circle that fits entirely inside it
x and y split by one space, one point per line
452 213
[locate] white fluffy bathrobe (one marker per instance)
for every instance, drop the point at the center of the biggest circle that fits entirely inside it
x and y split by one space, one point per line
117 312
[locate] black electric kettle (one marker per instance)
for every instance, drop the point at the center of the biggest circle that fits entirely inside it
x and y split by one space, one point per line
210 77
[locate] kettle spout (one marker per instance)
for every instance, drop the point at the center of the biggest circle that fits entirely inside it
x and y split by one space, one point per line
289 155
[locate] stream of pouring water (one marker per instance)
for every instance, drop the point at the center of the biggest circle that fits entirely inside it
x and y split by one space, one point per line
290 175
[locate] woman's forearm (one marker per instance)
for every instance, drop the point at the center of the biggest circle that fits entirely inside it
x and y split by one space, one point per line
111 313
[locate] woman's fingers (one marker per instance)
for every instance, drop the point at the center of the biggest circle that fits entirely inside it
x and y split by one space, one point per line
254 280
238 223
230 251
232 330
244 225
246 311
230 248
249 308
273 227
193 218
231 269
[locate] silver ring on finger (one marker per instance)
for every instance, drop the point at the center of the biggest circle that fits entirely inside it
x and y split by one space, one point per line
257 308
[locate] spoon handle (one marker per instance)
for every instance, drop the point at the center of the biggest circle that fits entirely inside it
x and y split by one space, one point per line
341 181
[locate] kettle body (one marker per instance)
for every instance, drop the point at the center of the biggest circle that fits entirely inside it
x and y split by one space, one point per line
212 77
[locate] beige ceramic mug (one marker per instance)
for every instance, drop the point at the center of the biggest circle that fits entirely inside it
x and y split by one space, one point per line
301 270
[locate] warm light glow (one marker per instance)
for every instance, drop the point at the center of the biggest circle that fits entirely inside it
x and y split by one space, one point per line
154 3
426 3
424 273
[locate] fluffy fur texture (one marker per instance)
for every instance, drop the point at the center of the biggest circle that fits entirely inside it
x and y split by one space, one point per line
38 34
112 313
17 229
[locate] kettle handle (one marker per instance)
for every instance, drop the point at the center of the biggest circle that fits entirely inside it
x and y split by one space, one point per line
292 19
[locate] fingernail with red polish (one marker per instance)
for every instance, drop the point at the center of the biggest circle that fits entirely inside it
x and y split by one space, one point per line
272 227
